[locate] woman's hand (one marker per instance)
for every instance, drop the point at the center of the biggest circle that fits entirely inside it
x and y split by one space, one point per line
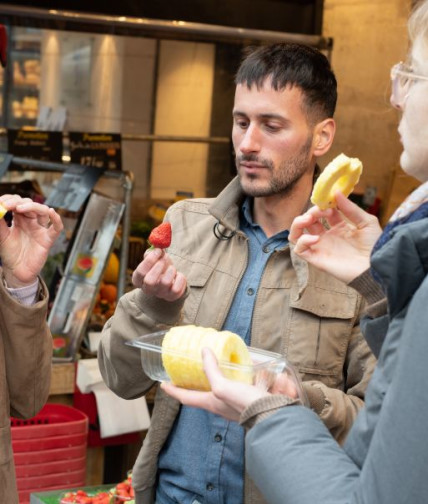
343 248
24 247
227 398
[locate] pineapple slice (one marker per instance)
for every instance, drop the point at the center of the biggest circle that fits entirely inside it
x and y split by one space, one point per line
182 360
340 174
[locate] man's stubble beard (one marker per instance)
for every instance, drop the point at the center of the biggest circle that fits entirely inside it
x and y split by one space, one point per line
283 179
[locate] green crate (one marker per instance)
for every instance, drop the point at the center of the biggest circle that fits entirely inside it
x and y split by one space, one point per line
53 496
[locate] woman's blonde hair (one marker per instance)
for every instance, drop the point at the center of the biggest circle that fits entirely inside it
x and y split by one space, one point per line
418 23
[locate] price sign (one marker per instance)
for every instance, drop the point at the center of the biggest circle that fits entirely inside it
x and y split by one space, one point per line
42 145
100 150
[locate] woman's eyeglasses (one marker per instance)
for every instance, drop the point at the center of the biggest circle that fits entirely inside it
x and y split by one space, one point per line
402 78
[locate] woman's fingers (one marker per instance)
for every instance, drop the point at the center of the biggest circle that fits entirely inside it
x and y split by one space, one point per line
305 243
309 222
355 214
299 226
56 221
211 368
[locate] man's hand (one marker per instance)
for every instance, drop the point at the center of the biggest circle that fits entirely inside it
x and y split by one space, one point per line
343 249
227 398
24 247
158 277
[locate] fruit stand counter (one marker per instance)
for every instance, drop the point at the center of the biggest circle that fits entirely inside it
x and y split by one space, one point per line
120 493
54 496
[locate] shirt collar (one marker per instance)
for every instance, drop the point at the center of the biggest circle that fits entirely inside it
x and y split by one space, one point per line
246 220
247 214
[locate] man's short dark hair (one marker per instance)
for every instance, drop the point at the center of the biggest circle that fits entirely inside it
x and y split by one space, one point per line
298 65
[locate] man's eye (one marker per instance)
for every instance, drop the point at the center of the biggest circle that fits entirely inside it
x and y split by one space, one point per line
242 124
272 127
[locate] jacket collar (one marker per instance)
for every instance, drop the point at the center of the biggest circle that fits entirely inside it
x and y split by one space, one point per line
225 208
402 263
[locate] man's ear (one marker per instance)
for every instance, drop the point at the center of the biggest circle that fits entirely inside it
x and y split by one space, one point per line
324 132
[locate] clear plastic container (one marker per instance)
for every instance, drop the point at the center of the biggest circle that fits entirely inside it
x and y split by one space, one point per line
267 366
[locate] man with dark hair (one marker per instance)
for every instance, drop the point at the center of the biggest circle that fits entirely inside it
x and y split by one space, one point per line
230 267
293 65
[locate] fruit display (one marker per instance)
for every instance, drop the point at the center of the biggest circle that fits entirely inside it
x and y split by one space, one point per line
111 272
106 300
82 497
341 174
181 355
161 236
121 493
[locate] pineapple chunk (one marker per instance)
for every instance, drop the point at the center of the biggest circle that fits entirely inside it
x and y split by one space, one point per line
182 360
340 174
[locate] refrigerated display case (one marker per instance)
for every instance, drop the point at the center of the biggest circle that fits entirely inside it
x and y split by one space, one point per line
20 80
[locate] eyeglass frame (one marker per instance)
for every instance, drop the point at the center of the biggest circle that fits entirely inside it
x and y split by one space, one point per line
400 91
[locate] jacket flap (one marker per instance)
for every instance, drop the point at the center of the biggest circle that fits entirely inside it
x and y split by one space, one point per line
199 274
325 303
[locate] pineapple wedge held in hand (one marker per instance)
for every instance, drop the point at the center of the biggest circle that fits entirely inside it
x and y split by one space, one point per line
3 211
342 174
182 360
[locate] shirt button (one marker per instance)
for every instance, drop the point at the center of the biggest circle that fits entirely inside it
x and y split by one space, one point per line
265 249
250 291
210 487
218 438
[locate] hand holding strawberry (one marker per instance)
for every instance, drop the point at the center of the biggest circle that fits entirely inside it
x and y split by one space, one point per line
156 274
160 237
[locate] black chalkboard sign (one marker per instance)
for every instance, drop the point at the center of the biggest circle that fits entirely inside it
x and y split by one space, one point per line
41 145
101 150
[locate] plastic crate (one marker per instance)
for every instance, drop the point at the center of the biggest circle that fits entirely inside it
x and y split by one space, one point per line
48 443
57 466
50 450
46 456
47 481
52 420
55 426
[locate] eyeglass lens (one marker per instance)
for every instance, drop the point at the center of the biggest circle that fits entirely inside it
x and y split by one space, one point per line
400 84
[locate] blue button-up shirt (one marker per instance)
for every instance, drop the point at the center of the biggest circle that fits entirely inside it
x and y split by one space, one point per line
203 458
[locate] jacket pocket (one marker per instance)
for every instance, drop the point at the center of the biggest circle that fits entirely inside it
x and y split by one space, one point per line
197 278
320 329
5 445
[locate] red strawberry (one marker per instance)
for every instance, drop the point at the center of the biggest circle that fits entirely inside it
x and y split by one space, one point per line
160 237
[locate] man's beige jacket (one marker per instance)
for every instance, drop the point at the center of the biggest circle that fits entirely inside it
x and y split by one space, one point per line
25 373
300 312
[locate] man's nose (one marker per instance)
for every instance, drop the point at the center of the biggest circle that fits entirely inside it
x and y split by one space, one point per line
250 141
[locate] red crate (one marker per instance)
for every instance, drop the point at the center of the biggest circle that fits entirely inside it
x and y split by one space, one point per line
52 420
57 466
45 482
46 456
48 443
50 450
